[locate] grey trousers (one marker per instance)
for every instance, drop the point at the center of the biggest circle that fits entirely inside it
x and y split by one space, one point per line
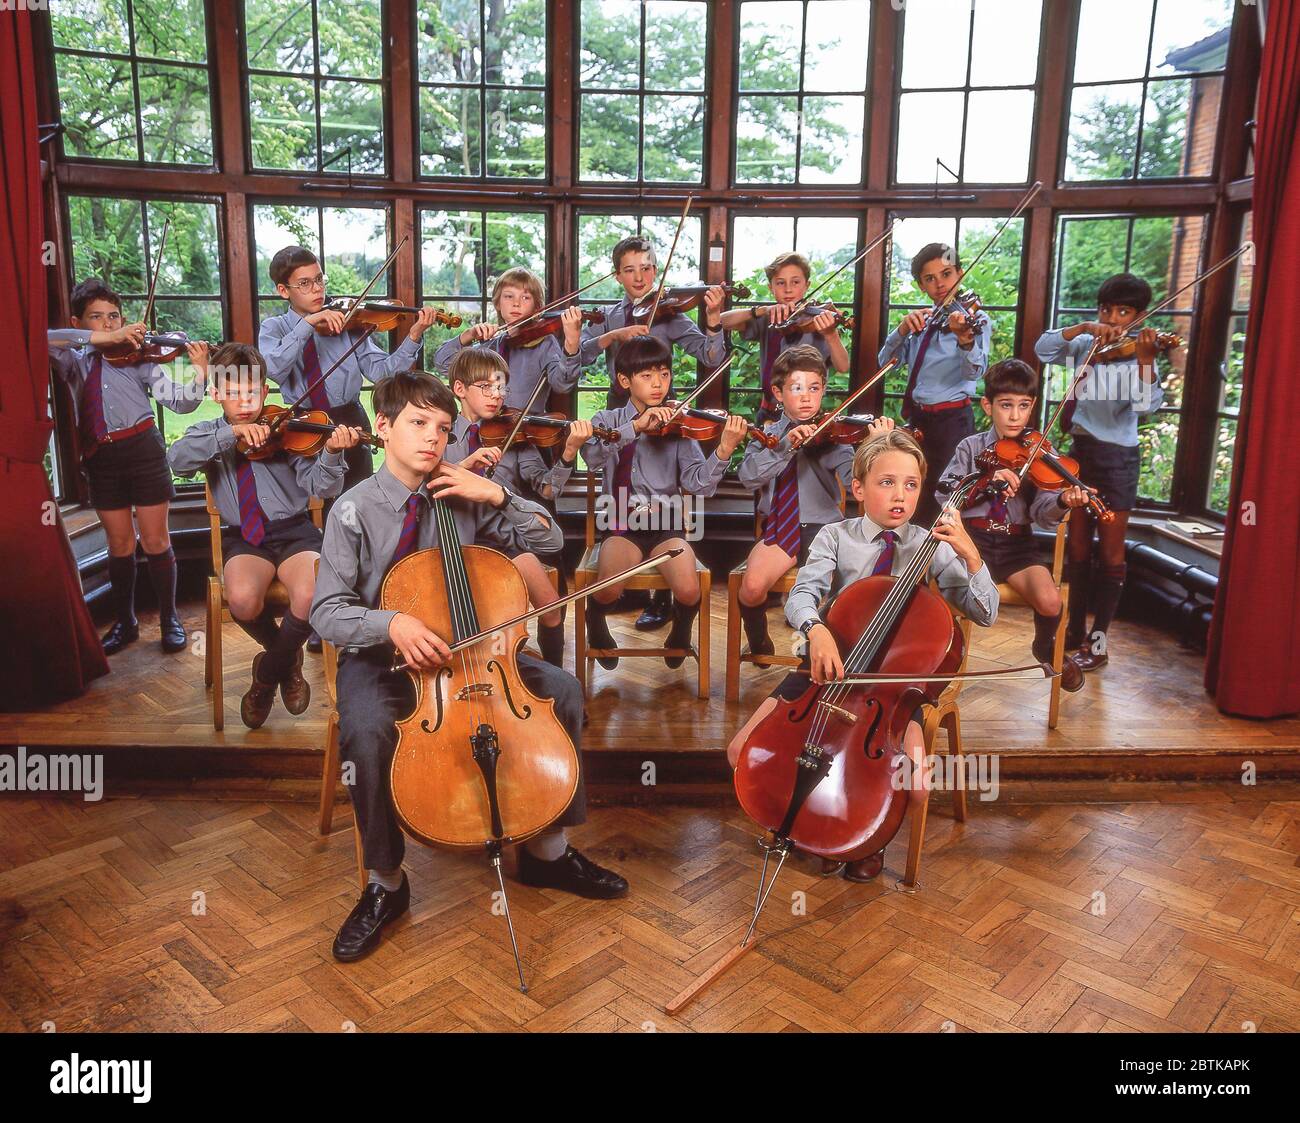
371 699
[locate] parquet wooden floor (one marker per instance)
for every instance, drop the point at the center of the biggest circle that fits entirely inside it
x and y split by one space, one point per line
1150 697
1036 915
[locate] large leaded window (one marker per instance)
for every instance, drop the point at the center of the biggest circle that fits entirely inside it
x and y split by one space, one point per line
1231 382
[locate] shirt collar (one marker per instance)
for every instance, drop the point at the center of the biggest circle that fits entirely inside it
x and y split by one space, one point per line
396 492
870 531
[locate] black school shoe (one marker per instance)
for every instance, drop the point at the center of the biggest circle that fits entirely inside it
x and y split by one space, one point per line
173 634
573 873
657 613
365 923
118 636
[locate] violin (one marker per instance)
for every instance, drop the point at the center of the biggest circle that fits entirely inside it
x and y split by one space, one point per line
818 772
299 433
1126 347
541 430
1048 471
385 314
968 304
482 761
802 320
155 347
707 425
682 298
533 328
846 429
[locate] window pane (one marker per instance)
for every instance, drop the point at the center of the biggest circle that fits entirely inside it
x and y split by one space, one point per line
839 37
1005 49
107 238
1166 128
351 41
766 132
172 29
1091 250
97 108
516 133
675 39
756 240
516 239
770 35
516 42
449 131
832 140
447 33
191 258
1158 442
355 245
936 36
91 25
611 42
1225 442
910 235
997 276
1191 36
352 116
282 120
1112 40
1103 132
608 147
451 260
675 127
275 227
999 125
175 113
278 39
929 127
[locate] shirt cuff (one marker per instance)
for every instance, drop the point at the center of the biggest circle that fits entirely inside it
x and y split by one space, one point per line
374 626
226 438
333 458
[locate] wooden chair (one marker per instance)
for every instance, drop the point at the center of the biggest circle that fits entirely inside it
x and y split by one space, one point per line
330 768
734 579
218 611
586 575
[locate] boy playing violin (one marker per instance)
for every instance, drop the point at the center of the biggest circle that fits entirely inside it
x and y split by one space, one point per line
267 532
123 452
304 342
787 280
1104 440
480 379
1001 526
375 524
516 296
644 475
799 487
888 473
944 361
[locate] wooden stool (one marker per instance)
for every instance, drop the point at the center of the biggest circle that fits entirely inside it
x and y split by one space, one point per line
218 610
585 575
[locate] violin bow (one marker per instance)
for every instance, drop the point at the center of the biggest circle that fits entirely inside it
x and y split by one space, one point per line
356 304
519 424
1082 369
579 594
1044 670
807 297
554 304
663 277
870 382
157 268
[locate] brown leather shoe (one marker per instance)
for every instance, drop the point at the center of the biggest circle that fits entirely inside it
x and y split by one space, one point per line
256 704
1071 674
294 691
1088 659
865 869
829 867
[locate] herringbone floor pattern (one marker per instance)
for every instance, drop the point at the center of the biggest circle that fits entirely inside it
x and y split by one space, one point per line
147 914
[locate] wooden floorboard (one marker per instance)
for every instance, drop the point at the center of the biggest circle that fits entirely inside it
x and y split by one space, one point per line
1039 914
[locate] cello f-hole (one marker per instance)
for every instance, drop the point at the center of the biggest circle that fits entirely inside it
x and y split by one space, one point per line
493 665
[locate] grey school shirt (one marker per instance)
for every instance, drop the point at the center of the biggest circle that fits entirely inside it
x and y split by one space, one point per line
847 550
662 466
1041 507
679 330
521 470
283 338
529 364
284 483
1111 398
821 471
947 373
126 390
361 535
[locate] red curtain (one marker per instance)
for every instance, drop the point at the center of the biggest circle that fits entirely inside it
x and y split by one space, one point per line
47 634
1253 666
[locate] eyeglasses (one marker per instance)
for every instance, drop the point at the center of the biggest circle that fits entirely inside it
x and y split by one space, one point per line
317 282
490 389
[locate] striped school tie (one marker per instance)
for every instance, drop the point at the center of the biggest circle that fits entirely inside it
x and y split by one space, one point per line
317 394
771 349
410 528
885 563
93 427
623 484
782 525
252 519
472 445
915 372
998 512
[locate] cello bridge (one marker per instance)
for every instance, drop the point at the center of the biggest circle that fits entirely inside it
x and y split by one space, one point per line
843 714
474 690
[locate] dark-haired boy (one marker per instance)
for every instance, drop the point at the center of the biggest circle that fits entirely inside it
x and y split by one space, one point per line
380 521
122 451
303 343
643 477
1102 420
944 362
267 532
1001 526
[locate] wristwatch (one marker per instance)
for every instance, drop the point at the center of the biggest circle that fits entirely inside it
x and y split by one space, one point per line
506 501
808 625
